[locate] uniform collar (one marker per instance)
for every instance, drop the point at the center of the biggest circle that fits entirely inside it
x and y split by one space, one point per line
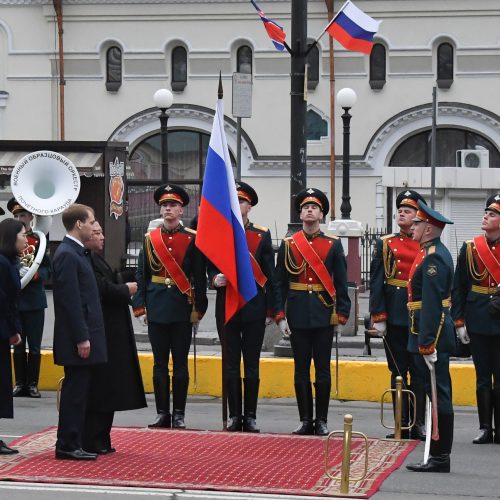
312 236
248 224
171 231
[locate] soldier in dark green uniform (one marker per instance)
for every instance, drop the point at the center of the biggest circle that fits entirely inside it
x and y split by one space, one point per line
32 305
391 263
476 281
171 296
432 333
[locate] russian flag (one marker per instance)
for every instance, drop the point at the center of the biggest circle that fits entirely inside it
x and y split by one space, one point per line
220 233
353 28
274 30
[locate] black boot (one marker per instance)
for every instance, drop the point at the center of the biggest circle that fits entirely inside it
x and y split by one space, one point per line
34 361
439 458
418 429
251 395
180 390
234 397
303 392
161 384
322 402
496 413
485 412
20 366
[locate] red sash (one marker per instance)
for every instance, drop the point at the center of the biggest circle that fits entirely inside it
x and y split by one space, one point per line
174 270
313 259
258 274
487 257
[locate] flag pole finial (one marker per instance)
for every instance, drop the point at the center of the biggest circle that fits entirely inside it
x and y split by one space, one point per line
220 92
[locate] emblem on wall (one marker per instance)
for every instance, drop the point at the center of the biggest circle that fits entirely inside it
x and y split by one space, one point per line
116 187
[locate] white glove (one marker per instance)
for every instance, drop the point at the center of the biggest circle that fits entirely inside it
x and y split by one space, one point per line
23 271
269 320
462 335
430 359
338 330
220 280
143 320
284 329
381 328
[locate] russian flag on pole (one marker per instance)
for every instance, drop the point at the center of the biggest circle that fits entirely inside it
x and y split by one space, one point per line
220 233
353 28
274 30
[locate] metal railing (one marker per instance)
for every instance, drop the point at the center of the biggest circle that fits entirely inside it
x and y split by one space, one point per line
367 242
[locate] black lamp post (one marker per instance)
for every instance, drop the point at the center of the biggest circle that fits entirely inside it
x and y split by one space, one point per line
163 99
346 99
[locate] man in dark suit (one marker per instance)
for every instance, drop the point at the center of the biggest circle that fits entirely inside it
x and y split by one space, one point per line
116 385
79 341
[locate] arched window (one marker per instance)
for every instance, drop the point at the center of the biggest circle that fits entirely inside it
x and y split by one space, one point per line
416 150
179 68
445 65
113 68
317 127
377 67
244 60
313 67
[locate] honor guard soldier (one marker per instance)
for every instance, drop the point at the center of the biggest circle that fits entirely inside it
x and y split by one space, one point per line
392 259
244 333
432 333
477 278
32 305
312 277
171 296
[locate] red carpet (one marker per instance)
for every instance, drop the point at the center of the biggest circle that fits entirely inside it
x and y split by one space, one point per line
206 460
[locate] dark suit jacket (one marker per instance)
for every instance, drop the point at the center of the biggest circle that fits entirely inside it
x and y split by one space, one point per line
77 308
10 286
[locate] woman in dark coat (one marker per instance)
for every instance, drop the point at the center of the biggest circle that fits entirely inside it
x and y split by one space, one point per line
116 385
12 241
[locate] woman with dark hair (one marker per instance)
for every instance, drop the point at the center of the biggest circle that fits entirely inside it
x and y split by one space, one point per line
12 241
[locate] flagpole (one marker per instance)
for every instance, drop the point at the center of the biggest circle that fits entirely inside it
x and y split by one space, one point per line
331 9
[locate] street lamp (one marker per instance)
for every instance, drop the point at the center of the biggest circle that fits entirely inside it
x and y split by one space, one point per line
163 99
346 99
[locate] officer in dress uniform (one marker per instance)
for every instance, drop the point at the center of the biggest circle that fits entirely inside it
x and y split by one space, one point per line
32 305
432 333
244 333
477 277
391 263
171 296
312 277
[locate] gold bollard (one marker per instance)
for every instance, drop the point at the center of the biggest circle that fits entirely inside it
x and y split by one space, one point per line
345 473
398 410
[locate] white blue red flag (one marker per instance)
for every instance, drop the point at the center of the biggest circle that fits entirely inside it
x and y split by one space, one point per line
353 28
220 233
274 30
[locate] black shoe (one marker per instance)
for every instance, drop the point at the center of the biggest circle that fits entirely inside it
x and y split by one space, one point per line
320 428
5 450
102 451
250 425
162 421
435 464
78 454
33 392
405 434
178 420
306 428
418 432
235 424
19 391
485 436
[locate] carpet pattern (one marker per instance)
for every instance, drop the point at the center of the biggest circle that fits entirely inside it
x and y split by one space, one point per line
207 460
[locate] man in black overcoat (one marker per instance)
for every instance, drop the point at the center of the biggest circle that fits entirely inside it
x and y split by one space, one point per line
79 340
116 385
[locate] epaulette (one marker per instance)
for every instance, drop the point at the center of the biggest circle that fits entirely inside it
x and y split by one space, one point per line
331 236
189 230
288 238
387 236
261 228
432 249
468 242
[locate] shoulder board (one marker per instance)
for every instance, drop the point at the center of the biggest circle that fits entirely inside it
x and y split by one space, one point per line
261 228
189 230
432 249
288 238
386 236
469 242
331 237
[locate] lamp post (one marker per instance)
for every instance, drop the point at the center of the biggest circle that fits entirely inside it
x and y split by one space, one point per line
163 99
347 99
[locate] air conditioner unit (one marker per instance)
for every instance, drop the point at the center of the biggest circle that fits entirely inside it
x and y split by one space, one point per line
473 158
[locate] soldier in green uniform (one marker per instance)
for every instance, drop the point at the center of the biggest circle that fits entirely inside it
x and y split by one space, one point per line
392 258
312 277
432 333
32 305
171 296
477 278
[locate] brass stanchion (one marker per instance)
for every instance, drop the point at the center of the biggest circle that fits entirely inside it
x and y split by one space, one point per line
345 473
